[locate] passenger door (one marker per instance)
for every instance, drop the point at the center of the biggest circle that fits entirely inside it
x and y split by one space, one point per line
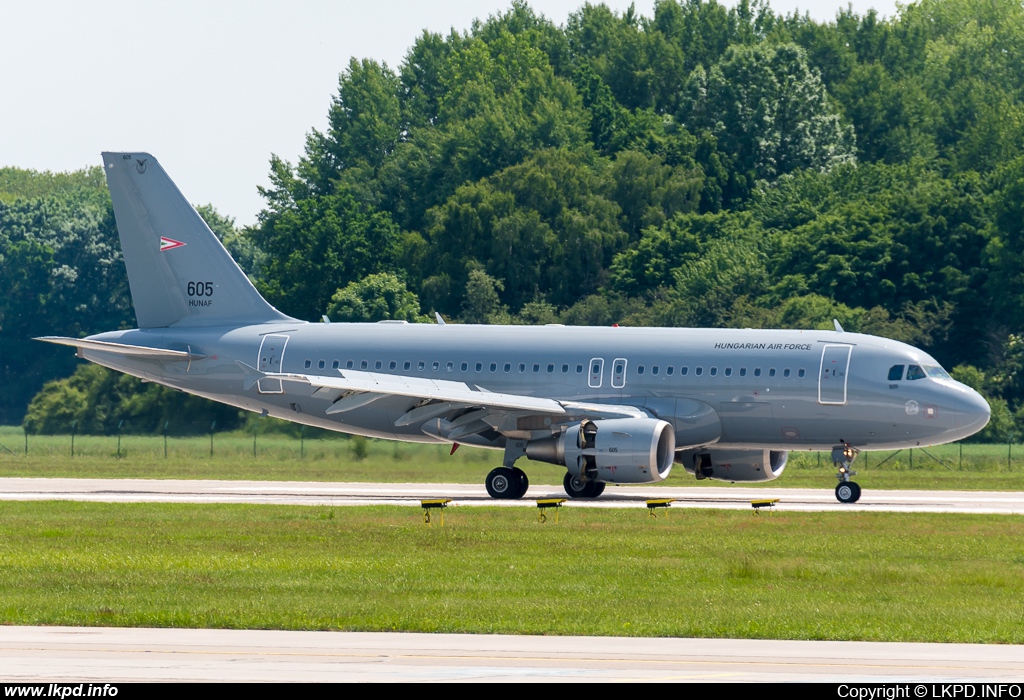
833 375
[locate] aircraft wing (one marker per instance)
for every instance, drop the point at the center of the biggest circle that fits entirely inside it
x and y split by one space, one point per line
419 387
456 409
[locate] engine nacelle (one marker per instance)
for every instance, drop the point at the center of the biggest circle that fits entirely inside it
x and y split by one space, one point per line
618 451
734 465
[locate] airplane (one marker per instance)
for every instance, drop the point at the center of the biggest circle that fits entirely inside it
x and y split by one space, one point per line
612 405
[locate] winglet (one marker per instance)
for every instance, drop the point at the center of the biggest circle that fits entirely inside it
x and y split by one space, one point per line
839 328
440 321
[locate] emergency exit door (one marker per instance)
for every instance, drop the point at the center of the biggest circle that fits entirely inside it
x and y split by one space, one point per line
270 359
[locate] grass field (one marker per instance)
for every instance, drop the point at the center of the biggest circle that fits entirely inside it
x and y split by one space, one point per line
278 457
881 576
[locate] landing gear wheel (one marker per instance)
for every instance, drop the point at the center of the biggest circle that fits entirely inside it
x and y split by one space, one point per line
848 492
502 483
574 486
578 488
524 481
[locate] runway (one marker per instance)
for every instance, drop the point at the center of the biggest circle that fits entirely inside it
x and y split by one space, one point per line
95 654
359 494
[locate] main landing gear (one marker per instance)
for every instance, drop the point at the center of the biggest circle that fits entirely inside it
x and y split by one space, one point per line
507 483
578 488
846 491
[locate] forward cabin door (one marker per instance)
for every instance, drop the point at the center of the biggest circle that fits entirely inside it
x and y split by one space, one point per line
832 378
270 359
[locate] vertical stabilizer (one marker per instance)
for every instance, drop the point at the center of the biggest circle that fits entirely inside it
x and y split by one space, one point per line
178 271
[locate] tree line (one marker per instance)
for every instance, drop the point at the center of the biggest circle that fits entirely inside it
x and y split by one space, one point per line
706 166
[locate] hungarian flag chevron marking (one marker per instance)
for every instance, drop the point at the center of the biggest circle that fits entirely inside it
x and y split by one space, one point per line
169 244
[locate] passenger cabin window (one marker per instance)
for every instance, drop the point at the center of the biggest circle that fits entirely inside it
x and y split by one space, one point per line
683 370
801 373
639 369
407 364
436 365
714 371
508 367
771 372
421 365
464 366
308 364
336 364
348 365
392 365
654 369
321 364
728 371
757 371
479 366
785 372
378 364
551 368
536 367
579 369
565 369
895 373
699 371
494 366
668 370
915 372
743 371
449 366
522 366
362 364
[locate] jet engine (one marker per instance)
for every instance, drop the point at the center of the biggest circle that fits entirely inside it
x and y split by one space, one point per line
734 465
618 451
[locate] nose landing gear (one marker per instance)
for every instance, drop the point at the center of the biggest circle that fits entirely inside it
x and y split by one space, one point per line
846 491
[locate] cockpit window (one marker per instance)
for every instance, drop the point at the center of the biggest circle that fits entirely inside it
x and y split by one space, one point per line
895 373
915 372
937 372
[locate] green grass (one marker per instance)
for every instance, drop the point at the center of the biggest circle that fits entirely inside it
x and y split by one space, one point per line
705 573
279 457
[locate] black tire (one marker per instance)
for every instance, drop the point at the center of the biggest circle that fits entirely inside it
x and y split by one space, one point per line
502 483
524 481
594 489
574 486
847 492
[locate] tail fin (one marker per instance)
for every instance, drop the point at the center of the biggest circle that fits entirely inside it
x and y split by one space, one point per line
178 271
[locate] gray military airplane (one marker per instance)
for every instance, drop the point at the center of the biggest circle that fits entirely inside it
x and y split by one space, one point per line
613 405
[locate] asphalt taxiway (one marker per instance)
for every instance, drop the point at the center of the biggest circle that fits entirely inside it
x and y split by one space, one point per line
83 654
359 494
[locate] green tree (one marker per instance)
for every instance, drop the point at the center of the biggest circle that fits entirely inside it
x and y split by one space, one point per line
769 111
376 297
320 244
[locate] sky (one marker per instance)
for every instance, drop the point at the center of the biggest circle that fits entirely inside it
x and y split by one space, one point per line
212 88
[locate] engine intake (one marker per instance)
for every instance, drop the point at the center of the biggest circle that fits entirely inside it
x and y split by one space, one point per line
618 451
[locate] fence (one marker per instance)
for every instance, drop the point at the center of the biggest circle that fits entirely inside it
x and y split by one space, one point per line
277 446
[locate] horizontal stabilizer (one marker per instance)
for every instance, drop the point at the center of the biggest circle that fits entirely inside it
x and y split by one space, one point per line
122 349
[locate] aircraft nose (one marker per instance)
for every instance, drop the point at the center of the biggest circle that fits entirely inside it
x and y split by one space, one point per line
972 413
